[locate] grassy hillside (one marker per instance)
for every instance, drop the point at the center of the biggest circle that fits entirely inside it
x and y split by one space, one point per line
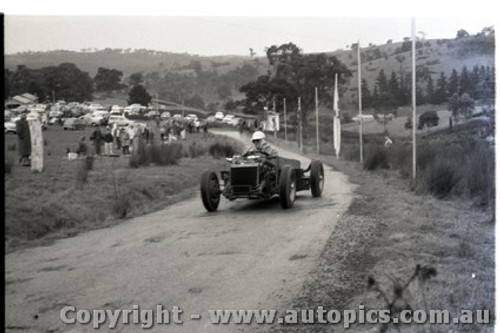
124 60
432 58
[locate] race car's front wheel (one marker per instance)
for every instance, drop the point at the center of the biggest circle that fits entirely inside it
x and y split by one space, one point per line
317 178
287 187
210 191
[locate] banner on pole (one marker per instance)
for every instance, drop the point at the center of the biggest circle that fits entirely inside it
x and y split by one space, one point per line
336 119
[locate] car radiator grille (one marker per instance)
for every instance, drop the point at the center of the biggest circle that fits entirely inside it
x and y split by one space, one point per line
244 175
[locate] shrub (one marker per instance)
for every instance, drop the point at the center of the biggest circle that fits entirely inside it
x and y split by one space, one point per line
139 155
82 172
121 206
376 157
196 150
439 178
159 154
222 149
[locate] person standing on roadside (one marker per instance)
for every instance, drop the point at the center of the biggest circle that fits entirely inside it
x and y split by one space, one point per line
125 139
97 137
23 140
108 142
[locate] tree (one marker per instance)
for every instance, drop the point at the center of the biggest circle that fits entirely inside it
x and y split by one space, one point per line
381 82
139 95
68 82
196 102
453 83
135 79
465 84
441 93
462 33
108 79
430 92
428 119
466 105
366 95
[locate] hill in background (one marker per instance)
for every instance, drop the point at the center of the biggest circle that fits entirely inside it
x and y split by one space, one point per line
432 58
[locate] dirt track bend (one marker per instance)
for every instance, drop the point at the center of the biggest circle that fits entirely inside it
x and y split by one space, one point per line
247 255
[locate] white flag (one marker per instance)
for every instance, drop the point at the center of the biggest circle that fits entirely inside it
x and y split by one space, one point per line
336 119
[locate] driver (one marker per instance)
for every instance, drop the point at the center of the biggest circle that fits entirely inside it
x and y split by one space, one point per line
260 145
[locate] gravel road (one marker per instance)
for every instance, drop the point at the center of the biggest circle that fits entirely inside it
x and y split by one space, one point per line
250 254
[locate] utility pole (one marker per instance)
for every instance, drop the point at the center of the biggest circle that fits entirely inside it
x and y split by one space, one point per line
299 119
414 98
317 120
360 105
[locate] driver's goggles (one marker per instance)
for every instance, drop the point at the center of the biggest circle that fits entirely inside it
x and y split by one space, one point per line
256 141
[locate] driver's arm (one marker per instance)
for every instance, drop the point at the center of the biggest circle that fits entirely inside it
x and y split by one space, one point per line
268 149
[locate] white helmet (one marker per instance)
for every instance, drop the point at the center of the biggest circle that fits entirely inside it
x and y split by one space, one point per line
258 135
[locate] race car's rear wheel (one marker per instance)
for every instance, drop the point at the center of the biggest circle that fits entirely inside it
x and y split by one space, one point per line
287 187
317 178
210 191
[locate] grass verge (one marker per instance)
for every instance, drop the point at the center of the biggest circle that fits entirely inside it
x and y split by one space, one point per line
73 196
388 231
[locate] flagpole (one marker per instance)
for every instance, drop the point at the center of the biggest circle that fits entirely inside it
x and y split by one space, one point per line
284 116
299 117
333 106
317 120
336 119
360 105
413 98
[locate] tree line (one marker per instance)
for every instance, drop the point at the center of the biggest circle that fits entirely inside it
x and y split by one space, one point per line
389 93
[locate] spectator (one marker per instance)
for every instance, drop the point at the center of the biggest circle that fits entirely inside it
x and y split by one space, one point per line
82 148
116 135
97 137
388 141
108 142
23 140
125 139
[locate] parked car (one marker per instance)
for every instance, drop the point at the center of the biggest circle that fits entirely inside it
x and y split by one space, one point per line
10 126
96 119
152 114
56 114
228 119
116 110
219 116
74 124
165 115
119 120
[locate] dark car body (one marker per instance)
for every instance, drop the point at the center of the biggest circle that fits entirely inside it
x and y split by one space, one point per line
262 177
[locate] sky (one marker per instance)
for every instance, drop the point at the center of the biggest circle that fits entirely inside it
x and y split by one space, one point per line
204 29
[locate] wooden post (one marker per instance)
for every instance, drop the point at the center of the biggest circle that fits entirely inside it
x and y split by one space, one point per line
35 127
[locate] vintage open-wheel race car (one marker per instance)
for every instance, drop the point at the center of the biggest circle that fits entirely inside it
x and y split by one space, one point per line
260 176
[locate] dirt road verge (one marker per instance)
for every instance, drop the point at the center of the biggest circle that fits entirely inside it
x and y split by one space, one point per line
388 231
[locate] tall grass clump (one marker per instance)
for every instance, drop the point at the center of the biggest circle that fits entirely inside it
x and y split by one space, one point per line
82 172
166 153
222 149
196 150
139 156
9 163
157 153
438 178
376 157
